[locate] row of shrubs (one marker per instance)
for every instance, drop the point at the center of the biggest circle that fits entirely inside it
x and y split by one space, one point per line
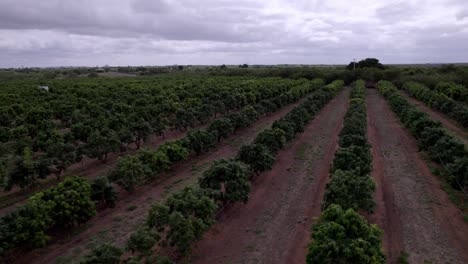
442 147
74 200
439 101
453 90
186 215
59 207
342 235
350 185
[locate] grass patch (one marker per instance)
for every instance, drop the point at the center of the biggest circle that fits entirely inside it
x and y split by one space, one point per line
403 258
132 207
301 152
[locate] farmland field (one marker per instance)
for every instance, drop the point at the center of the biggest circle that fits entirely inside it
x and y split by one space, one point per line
255 165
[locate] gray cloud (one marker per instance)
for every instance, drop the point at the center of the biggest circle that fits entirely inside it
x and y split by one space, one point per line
149 32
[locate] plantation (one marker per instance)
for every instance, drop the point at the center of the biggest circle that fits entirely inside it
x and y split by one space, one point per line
276 165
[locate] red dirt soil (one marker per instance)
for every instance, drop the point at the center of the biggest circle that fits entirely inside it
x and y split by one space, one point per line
451 125
274 226
415 213
115 225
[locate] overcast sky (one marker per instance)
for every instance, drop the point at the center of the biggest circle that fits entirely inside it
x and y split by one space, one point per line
162 32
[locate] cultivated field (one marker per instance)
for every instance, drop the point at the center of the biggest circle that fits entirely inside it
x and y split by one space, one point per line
281 165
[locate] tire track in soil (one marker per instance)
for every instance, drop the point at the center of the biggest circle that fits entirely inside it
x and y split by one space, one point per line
430 227
274 226
451 125
386 215
115 225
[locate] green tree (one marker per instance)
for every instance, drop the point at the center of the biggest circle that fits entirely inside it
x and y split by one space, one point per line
141 131
174 150
129 172
23 173
273 139
344 237
101 143
27 226
142 241
257 156
61 155
222 128
200 140
349 190
103 254
229 178
103 192
72 202
354 158
183 219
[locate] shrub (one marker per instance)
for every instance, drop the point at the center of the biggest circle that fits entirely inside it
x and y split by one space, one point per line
257 156
71 200
129 172
103 192
273 139
103 254
349 190
228 178
344 237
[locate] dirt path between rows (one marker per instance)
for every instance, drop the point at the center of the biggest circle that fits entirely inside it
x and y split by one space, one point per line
451 125
115 225
412 208
274 226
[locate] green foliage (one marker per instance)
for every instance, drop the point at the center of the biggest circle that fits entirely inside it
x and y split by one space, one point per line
366 63
157 161
142 241
286 126
64 205
61 155
129 172
257 156
200 140
438 100
354 158
103 254
26 227
101 143
174 150
141 130
457 173
103 192
343 236
453 90
23 173
403 258
350 190
222 128
71 200
229 179
183 218
273 139
350 186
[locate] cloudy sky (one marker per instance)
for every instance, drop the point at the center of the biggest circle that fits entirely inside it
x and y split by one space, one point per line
162 32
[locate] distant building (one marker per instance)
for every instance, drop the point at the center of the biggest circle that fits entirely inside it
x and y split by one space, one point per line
43 87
